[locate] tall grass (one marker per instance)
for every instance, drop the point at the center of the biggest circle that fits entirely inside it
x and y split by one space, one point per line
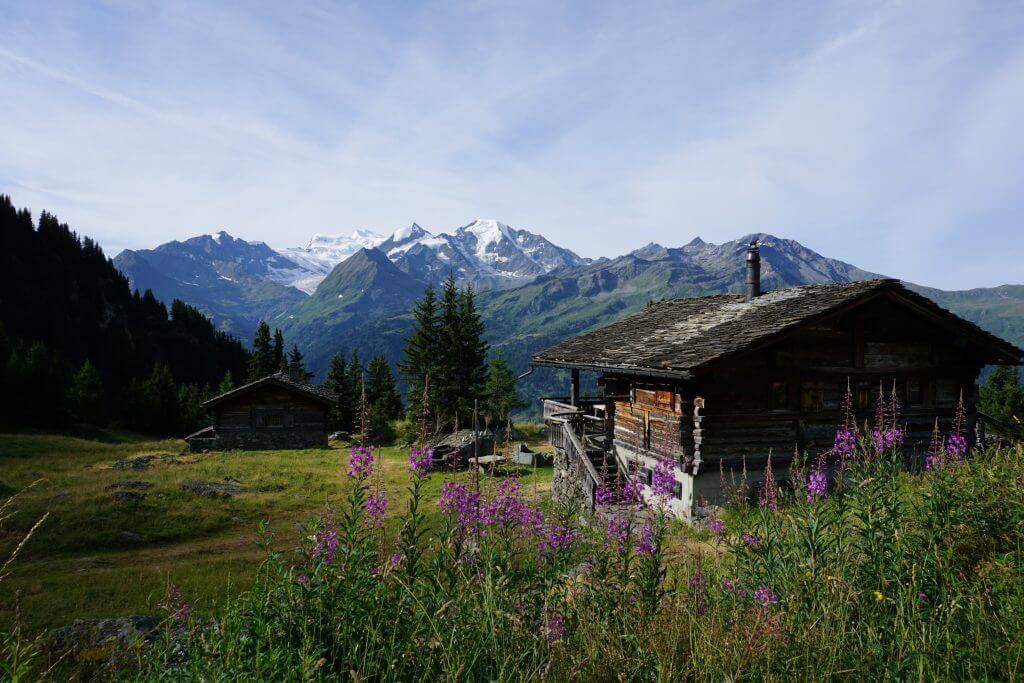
885 574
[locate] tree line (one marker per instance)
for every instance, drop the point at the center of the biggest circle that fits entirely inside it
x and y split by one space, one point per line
446 367
79 346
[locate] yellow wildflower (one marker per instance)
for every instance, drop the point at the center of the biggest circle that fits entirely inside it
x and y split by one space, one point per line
879 597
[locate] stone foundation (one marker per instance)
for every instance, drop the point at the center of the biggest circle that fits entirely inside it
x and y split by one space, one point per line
566 489
261 440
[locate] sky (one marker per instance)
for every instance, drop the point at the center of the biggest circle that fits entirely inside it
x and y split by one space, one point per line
886 134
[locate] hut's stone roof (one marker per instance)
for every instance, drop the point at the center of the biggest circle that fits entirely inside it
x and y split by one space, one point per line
679 336
282 379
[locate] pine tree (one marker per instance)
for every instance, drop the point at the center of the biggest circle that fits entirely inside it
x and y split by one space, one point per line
381 393
472 350
86 396
191 414
355 379
501 397
262 361
338 380
447 378
1002 396
226 384
296 366
422 350
277 351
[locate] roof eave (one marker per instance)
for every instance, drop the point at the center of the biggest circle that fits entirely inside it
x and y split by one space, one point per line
616 369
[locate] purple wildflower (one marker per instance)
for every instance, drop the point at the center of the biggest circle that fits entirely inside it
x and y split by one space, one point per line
844 445
765 597
556 537
360 462
460 501
616 531
376 506
645 545
302 580
717 527
182 614
325 545
395 559
769 497
817 485
663 479
554 628
604 496
750 539
420 460
922 597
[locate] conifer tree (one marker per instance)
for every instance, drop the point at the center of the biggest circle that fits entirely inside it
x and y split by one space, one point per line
226 384
422 349
355 375
501 397
277 351
262 361
381 393
86 396
296 365
339 381
472 350
447 379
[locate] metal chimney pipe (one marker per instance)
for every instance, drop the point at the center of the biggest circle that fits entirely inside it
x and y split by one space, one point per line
753 271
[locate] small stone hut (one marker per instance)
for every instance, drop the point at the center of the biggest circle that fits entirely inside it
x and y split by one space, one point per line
717 383
278 411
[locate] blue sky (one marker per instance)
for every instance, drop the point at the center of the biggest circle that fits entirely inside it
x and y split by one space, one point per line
884 134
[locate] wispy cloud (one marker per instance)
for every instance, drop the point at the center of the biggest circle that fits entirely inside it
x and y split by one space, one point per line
883 134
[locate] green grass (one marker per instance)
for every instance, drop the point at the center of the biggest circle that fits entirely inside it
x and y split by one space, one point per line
80 563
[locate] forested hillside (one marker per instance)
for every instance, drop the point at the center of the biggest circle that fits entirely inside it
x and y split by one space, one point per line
76 344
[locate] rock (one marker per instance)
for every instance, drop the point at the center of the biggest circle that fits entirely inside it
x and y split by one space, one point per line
130 485
139 462
455 449
133 537
523 455
214 489
339 436
99 639
128 497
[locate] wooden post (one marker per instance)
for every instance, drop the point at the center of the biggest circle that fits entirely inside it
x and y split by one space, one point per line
574 387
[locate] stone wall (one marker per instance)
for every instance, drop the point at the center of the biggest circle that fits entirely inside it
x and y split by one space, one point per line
566 488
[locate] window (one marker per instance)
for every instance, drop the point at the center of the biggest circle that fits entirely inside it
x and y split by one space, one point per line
812 396
778 398
915 396
272 420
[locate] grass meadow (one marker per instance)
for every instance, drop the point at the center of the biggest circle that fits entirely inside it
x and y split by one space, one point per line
88 560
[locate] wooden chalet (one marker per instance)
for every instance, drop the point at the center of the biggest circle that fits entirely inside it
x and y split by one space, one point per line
278 411
722 381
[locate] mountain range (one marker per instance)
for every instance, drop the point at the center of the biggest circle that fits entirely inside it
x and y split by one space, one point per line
356 291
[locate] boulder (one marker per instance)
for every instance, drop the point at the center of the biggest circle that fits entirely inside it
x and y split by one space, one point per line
130 485
214 489
455 449
99 639
139 462
128 497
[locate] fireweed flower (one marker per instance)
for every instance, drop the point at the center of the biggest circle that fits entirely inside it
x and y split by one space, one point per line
645 545
420 460
376 506
604 496
750 539
845 445
717 527
817 486
888 439
555 537
325 546
181 615
462 503
616 531
764 597
769 497
360 462
554 628
663 479
956 446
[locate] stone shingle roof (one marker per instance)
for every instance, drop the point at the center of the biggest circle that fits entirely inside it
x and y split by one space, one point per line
677 337
282 379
